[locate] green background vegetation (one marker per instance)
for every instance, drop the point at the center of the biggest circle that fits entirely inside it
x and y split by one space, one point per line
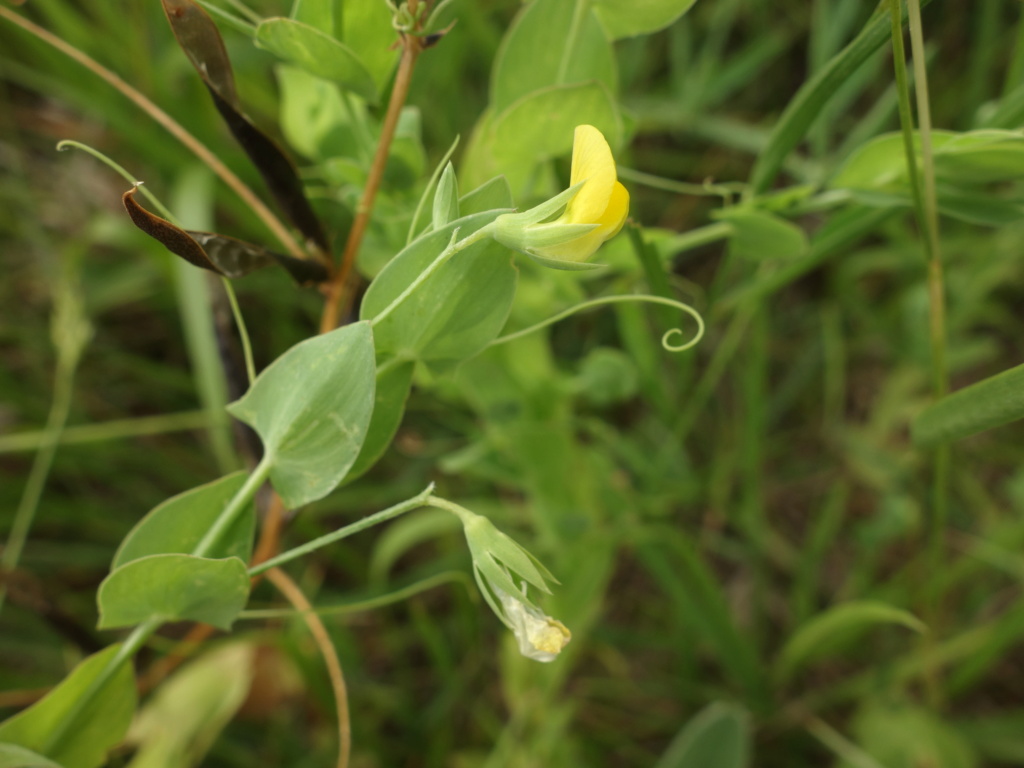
752 558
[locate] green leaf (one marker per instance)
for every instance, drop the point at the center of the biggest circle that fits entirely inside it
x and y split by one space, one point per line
990 403
177 525
314 118
13 756
761 236
174 588
532 52
716 737
882 162
458 310
446 199
318 14
541 125
490 195
100 726
196 702
317 53
394 380
980 157
311 407
368 33
836 628
629 18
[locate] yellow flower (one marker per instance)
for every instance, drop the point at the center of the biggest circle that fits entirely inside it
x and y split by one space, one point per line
602 199
595 208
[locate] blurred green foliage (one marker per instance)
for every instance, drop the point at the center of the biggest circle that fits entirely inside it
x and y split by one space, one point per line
706 514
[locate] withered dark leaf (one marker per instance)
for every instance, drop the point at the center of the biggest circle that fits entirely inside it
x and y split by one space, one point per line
224 255
200 39
175 239
198 36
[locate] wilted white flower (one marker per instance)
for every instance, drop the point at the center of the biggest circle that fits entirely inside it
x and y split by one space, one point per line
539 636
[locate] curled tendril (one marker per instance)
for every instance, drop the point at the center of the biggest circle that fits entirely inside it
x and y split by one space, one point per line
667 345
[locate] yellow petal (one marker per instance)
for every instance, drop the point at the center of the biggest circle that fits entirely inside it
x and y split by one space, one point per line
610 220
592 162
614 217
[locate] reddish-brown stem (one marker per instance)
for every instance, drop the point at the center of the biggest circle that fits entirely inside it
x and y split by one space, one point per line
335 290
316 627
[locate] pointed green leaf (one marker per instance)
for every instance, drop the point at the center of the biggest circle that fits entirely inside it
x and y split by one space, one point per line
629 18
312 407
716 737
317 53
446 199
490 195
835 628
99 727
394 380
458 310
177 525
174 588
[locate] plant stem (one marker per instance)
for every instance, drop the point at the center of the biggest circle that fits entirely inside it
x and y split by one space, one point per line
411 48
129 648
243 333
172 126
110 430
442 258
360 525
41 465
316 627
234 507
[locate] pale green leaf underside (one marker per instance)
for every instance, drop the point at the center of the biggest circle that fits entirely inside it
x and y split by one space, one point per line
458 310
311 408
174 588
179 524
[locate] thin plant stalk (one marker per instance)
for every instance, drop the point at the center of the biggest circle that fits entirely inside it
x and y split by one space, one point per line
335 289
926 209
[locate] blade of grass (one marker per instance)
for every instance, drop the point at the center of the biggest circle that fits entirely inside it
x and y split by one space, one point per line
809 101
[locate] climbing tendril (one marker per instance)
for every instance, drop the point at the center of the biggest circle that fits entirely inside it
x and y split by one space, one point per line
643 297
